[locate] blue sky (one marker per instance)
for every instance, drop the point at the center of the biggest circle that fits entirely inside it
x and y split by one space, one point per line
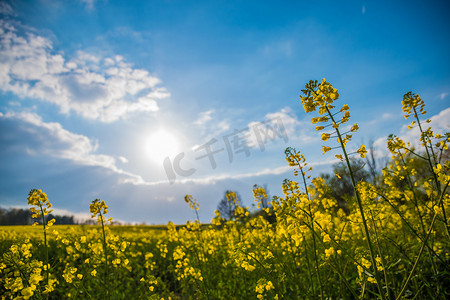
94 95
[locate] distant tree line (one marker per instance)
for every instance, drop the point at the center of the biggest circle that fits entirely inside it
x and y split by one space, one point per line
20 216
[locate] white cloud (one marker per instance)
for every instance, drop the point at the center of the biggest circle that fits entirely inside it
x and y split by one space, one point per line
168 198
103 88
204 117
267 171
209 125
89 4
212 179
124 160
223 126
439 124
55 141
285 124
78 216
443 95
386 116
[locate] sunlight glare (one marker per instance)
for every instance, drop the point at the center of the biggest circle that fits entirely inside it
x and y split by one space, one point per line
160 145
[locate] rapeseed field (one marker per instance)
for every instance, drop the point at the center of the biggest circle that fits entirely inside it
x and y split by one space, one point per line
390 240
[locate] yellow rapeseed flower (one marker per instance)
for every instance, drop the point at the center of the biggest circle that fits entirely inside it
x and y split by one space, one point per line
27 292
354 128
362 151
325 136
345 107
329 252
325 149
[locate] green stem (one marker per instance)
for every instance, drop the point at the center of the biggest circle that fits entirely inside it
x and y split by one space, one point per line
426 149
422 246
313 236
46 269
274 280
438 185
411 186
416 204
105 250
383 263
309 266
409 150
316 262
412 229
22 274
361 210
334 263
335 243
200 264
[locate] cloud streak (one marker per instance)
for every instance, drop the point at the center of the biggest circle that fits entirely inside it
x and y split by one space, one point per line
439 124
207 180
283 120
55 141
204 117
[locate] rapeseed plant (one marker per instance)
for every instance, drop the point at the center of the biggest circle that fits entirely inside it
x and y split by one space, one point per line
322 97
98 208
41 207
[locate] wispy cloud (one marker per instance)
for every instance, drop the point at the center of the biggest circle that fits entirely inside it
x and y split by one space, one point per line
294 129
387 116
95 87
123 159
204 117
55 141
443 95
6 9
263 172
90 4
206 180
439 124
213 179
278 48
210 124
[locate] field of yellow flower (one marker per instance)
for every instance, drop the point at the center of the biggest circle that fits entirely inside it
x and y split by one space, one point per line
390 240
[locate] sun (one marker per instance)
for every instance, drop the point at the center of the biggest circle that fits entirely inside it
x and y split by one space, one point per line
160 145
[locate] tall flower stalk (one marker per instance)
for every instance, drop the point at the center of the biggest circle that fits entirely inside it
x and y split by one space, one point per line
41 207
414 106
98 208
196 226
321 97
296 159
